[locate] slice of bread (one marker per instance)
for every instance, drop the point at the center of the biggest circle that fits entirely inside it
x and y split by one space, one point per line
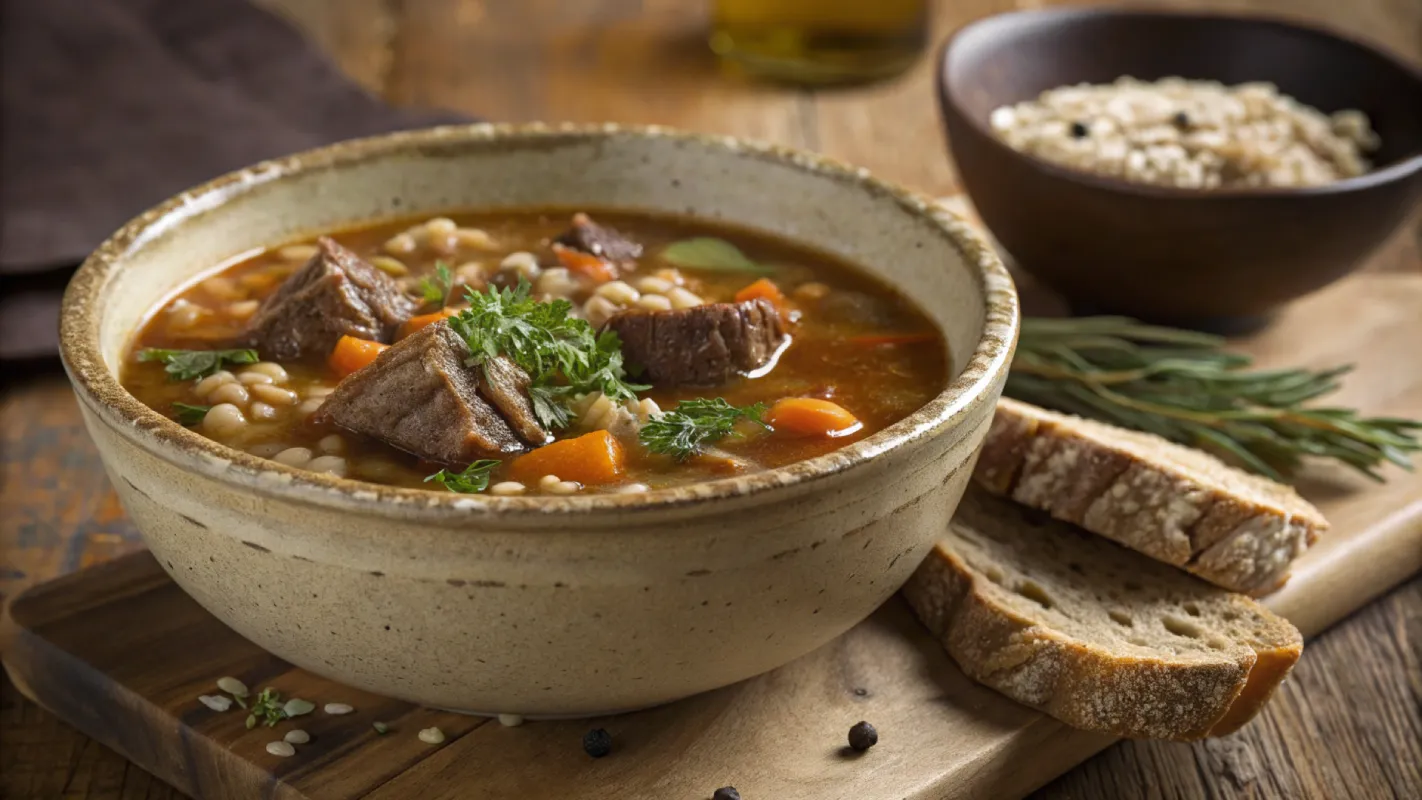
1173 503
1097 636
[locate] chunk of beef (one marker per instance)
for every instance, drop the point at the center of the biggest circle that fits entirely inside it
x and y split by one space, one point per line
336 294
420 397
505 385
703 345
590 237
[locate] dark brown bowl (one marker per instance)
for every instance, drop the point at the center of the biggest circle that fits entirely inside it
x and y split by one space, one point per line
1205 258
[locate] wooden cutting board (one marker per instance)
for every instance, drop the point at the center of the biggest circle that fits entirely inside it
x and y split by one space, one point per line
120 652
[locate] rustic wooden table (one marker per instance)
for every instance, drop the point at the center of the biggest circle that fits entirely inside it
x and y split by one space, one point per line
1349 723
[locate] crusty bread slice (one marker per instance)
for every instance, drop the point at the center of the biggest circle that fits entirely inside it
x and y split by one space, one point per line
1173 503
1097 636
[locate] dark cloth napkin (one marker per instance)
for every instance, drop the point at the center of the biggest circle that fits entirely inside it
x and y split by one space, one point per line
109 106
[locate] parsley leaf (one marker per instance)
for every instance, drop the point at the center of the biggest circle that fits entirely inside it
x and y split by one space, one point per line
436 290
562 354
267 708
470 480
686 429
189 414
183 365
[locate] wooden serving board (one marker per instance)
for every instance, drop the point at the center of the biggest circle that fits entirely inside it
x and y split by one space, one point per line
122 653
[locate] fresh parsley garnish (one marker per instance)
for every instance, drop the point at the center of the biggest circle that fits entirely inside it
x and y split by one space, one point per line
436 290
189 414
712 254
266 708
686 429
562 354
185 365
470 480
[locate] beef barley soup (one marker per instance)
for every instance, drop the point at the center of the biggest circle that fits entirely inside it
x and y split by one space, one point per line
530 353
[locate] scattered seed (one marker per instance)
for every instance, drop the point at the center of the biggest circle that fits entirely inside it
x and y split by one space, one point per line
216 702
432 736
337 709
510 720
380 727
726 793
232 686
1181 120
297 736
1079 130
295 707
597 742
283 749
863 736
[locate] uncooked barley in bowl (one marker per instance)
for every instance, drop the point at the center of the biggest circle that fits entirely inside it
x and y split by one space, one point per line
1189 134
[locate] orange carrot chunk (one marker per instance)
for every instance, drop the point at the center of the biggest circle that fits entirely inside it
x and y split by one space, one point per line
414 324
809 416
764 289
351 354
591 459
580 263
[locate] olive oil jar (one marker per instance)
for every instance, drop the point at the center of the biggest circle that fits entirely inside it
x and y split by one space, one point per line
820 41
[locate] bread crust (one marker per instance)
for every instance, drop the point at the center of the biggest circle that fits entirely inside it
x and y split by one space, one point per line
1175 504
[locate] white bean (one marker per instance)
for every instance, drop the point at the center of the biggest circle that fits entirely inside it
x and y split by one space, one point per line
309 407
654 302
549 481
293 457
250 378
332 444
207 385
229 392
654 284
619 292
474 239
564 487
337 709
431 735
522 262
441 226
223 420
260 410
279 748
681 298
401 244
632 488
506 488
223 288
393 267
266 450
319 391
244 309
599 309
297 736
276 371
275 395
335 465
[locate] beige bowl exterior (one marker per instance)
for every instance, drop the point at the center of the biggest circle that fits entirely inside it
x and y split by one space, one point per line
542 606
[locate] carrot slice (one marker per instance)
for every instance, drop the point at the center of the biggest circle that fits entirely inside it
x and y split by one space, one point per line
414 324
810 416
763 289
880 340
591 459
352 354
581 263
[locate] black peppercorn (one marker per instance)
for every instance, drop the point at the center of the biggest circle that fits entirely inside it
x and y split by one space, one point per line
1079 130
597 743
1181 120
726 793
863 736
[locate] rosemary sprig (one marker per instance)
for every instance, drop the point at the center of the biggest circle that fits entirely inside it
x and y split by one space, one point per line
1185 387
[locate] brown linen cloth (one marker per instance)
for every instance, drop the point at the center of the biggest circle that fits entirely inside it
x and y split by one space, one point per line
109 106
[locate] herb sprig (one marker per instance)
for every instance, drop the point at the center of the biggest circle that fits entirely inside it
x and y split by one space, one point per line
470 480
685 430
189 414
561 353
266 708
1185 387
185 365
436 290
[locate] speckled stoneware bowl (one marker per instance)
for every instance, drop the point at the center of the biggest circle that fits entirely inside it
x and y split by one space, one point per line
542 605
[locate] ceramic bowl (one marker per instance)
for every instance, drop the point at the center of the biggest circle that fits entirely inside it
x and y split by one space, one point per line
540 605
1220 259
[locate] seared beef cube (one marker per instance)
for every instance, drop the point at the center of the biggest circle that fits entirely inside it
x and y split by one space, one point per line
590 237
505 385
700 346
420 397
336 294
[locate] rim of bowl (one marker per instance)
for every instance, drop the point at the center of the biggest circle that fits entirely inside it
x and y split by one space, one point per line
1397 170
166 439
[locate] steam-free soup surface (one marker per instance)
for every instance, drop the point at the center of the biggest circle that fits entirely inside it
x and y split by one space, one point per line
372 370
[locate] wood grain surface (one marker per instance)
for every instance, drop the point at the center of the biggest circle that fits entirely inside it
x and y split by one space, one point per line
1347 725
